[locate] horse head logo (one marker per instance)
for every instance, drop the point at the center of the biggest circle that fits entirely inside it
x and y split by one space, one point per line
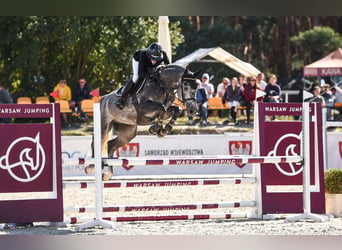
287 145
24 159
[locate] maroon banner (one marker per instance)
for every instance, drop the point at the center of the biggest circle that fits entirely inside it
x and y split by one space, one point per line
30 165
26 110
281 184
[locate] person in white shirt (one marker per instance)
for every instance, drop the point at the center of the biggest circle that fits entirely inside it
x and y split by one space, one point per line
209 86
221 88
260 81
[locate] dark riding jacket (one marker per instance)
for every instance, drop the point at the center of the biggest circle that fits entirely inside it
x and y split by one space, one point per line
80 94
145 65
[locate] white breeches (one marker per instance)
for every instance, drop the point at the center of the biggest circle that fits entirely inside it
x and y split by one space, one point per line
135 66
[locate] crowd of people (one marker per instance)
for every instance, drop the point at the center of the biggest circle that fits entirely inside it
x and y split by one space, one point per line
327 95
242 92
235 93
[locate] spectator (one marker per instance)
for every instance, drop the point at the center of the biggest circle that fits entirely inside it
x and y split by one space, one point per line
328 98
202 97
206 84
64 94
64 90
5 98
272 90
260 83
249 92
242 80
317 96
221 88
242 84
233 96
190 117
337 95
337 92
80 92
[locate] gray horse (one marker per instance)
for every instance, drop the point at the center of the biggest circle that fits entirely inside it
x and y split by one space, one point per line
151 106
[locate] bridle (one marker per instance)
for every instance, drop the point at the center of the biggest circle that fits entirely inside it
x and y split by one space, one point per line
183 100
171 92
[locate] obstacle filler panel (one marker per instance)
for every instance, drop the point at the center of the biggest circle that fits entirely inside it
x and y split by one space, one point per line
30 171
281 184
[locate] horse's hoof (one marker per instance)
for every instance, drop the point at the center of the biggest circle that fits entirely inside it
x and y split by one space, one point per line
161 133
153 130
89 169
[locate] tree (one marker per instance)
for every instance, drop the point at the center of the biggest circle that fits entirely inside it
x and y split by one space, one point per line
35 52
314 44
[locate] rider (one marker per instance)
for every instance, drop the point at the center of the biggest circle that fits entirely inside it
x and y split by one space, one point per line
144 63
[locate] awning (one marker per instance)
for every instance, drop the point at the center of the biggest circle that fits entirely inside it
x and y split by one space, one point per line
330 65
220 55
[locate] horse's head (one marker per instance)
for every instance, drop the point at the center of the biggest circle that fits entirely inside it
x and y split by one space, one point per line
175 77
187 90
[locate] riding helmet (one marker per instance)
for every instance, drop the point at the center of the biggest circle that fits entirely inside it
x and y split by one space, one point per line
154 51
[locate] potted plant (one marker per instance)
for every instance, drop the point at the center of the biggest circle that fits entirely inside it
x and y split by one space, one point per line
333 191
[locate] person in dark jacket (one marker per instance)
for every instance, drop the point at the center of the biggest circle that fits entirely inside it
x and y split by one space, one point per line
273 91
79 93
233 95
144 63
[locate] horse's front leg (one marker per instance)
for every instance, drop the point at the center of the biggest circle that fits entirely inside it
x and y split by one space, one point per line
174 112
154 112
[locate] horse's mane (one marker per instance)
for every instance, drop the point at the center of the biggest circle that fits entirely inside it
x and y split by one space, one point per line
170 71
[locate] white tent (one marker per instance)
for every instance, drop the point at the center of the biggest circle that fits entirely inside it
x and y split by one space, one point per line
220 55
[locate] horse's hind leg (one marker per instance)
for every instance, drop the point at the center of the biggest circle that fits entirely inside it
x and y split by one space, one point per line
125 133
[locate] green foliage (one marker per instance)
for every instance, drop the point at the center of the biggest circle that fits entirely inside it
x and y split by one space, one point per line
35 52
316 43
333 181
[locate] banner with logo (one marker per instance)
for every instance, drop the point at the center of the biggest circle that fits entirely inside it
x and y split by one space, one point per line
30 165
282 184
168 146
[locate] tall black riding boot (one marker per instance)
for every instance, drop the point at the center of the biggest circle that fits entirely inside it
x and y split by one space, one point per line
126 89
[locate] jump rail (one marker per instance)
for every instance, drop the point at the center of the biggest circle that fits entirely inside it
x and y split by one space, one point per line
163 207
203 160
100 162
76 220
160 183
